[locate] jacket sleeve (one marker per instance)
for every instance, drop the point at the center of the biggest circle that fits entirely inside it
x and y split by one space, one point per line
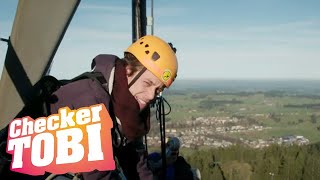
183 169
143 169
83 93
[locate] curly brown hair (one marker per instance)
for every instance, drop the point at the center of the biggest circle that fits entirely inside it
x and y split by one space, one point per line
133 63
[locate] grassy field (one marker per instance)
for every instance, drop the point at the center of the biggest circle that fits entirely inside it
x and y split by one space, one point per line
286 114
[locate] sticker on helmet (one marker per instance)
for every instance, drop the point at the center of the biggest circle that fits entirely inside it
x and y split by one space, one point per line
166 75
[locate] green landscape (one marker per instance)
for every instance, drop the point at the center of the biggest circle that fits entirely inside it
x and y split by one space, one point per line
250 129
286 111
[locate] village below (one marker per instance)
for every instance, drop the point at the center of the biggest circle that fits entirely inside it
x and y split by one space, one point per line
245 129
252 113
214 132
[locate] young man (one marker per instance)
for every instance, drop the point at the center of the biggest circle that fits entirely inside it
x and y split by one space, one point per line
149 66
129 85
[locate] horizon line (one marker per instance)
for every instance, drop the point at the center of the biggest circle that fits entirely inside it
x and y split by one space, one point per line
266 79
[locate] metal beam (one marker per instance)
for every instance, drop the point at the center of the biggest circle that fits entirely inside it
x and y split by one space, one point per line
139 19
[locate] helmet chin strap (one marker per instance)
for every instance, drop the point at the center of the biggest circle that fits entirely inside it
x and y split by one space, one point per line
137 76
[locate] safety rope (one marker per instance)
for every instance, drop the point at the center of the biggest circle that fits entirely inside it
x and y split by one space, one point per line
160 116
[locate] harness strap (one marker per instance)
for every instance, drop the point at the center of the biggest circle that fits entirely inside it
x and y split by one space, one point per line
118 169
137 77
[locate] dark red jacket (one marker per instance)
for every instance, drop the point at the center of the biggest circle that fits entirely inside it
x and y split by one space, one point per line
84 93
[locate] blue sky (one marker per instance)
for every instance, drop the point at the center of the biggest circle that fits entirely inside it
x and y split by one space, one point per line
216 39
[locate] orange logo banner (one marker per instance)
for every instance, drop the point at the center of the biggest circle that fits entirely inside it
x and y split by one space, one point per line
70 141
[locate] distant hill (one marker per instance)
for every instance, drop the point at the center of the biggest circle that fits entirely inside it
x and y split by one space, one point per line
302 86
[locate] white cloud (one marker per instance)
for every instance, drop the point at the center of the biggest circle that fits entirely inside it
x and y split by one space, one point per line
170 11
92 34
248 64
255 37
229 50
288 26
104 8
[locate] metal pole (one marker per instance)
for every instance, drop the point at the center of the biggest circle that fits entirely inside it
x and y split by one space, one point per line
134 21
152 25
139 19
143 16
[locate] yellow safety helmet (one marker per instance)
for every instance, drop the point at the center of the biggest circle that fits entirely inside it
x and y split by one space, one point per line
157 56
